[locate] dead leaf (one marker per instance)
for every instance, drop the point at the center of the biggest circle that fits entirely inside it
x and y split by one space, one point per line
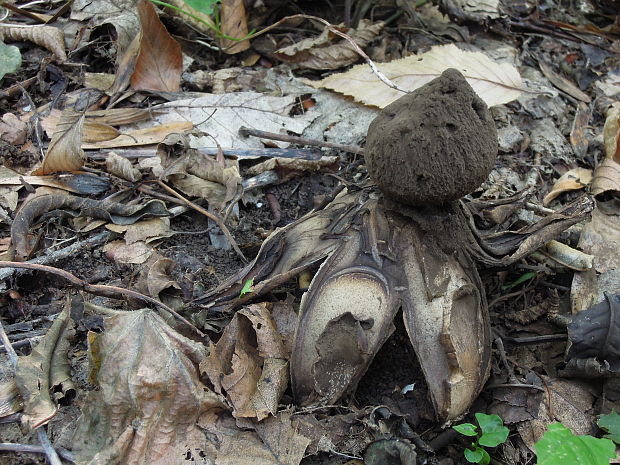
574 179
79 183
91 132
121 167
49 37
126 66
601 238
46 370
249 364
64 152
234 24
160 63
150 395
147 230
289 168
283 438
12 129
320 53
562 83
121 252
10 398
159 277
606 177
120 116
578 139
147 136
611 133
495 83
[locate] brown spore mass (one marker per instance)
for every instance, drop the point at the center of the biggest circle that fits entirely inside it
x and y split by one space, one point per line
434 145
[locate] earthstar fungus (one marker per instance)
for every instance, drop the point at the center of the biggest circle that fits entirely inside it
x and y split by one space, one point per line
411 245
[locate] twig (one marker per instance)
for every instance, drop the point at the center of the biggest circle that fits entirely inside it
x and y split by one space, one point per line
60 254
537 339
245 132
32 449
209 215
22 343
268 152
8 347
103 290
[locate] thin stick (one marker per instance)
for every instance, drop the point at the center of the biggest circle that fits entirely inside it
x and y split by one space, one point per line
22 343
60 254
8 347
209 215
50 453
29 448
245 132
103 290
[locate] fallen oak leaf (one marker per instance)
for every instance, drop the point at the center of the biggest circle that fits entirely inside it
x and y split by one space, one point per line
64 152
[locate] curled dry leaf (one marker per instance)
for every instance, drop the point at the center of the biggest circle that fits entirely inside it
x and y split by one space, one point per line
150 396
49 37
249 363
578 139
64 152
146 136
45 370
92 131
234 24
320 53
562 83
495 83
121 167
574 179
160 62
115 212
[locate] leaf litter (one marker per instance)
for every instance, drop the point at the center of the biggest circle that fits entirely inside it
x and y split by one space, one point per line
164 397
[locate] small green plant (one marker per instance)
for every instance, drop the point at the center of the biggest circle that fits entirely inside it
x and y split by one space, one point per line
492 433
247 287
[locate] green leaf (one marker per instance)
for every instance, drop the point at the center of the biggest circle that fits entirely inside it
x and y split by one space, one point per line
475 456
524 277
559 446
10 59
611 424
247 287
494 432
204 6
466 429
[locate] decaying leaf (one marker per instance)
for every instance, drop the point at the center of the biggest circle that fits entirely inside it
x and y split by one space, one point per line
78 183
147 136
122 167
147 230
45 370
321 53
606 177
49 37
114 212
150 396
64 152
10 398
234 24
562 83
12 129
93 131
495 83
578 139
611 133
288 168
121 252
574 179
472 10
249 363
160 63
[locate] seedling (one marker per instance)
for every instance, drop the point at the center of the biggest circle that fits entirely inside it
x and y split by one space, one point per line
247 287
492 433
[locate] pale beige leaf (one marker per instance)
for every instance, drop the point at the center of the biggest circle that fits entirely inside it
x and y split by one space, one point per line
12 129
159 277
234 24
120 252
148 230
601 238
150 395
64 152
49 37
574 179
121 167
46 369
495 83
606 177
147 136
320 53
611 133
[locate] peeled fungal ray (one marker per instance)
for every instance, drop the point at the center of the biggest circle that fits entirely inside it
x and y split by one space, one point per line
447 320
345 317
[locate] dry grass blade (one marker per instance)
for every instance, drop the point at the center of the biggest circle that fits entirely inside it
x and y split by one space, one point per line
48 37
160 62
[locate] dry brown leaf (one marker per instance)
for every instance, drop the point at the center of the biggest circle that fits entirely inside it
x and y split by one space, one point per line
234 24
249 363
91 132
611 133
49 37
46 370
495 83
574 179
147 136
150 395
64 152
288 168
10 398
12 129
320 53
606 177
159 277
160 62
121 252
148 230
601 238
121 167
119 116
578 139
126 66
562 83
